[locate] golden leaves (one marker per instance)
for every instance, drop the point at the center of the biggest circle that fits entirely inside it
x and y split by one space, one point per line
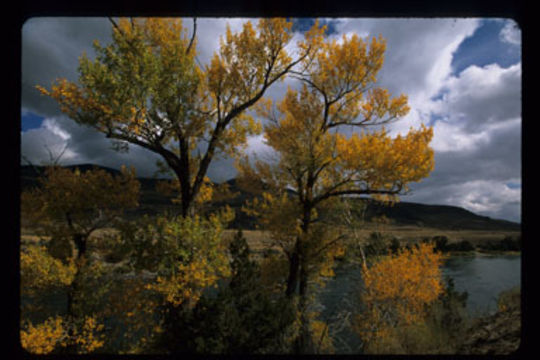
397 290
187 282
90 198
44 338
39 270
247 62
204 258
385 162
89 337
338 68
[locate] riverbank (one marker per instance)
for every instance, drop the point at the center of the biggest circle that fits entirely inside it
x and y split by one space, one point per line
499 333
484 253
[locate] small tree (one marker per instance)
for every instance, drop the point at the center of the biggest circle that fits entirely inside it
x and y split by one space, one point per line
396 293
71 205
41 331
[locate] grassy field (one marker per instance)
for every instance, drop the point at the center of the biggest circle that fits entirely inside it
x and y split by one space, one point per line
258 239
406 234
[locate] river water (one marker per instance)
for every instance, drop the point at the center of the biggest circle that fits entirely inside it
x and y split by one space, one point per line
482 277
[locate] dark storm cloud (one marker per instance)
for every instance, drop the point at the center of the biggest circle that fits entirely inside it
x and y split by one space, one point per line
50 49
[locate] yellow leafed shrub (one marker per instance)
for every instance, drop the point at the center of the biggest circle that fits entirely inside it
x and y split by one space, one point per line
397 290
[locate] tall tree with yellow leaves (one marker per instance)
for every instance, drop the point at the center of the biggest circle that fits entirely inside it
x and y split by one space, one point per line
317 164
147 89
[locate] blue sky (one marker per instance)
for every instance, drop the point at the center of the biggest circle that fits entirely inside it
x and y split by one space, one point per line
486 47
31 121
462 76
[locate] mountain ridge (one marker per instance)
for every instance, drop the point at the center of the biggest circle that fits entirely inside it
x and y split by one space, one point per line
401 213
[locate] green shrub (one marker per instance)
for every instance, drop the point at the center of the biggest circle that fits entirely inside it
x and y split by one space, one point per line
510 244
507 244
377 244
394 245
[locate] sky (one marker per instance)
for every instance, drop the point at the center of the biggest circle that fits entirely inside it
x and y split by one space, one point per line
462 76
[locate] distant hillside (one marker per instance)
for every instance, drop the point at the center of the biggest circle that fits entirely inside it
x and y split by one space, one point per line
438 216
402 213
150 202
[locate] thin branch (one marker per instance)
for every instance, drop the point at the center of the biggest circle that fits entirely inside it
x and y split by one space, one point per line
192 36
340 237
356 192
54 161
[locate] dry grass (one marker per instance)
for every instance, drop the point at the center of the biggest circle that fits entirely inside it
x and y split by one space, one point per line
416 233
258 239
406 234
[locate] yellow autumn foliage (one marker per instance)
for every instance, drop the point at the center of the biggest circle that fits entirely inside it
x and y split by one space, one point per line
39 270
316 164
72 202
397 291
196 256
44 338
147 87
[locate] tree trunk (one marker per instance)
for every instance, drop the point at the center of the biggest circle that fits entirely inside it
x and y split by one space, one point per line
294 267
71 347
304 343
297 283
184 177
80 241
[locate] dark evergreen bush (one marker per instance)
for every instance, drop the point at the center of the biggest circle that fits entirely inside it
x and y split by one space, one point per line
463 245
394 245
241 319
441 242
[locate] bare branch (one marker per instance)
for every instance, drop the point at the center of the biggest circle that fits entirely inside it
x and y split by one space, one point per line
192 36
357 192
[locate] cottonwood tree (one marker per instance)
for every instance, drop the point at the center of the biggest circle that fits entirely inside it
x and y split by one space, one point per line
146 88
316 164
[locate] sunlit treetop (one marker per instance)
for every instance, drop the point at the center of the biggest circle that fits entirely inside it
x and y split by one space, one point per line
148 88
332 164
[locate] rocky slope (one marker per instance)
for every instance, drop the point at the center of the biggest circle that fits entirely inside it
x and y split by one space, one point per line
499 333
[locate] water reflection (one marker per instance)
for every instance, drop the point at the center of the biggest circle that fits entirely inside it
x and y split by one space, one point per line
483 277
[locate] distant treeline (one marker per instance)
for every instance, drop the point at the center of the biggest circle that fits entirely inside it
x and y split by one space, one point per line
508 243
380 244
